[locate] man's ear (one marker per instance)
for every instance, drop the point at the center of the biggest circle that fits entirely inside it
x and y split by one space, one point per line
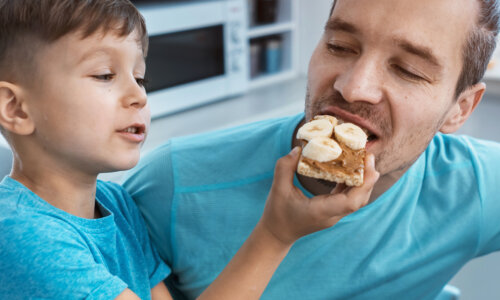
465 104
14 115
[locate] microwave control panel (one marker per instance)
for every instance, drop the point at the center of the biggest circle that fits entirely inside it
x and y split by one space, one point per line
236 46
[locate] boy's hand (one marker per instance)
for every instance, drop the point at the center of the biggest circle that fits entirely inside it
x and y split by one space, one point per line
289 214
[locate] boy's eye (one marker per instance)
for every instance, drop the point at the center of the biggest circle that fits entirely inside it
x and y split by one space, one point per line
104 77
141 81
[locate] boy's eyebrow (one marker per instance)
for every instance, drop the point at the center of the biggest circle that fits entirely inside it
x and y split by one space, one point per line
96 52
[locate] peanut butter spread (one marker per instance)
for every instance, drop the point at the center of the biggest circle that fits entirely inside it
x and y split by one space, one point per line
349 162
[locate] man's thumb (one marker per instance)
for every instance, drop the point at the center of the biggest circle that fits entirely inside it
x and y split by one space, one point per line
286 167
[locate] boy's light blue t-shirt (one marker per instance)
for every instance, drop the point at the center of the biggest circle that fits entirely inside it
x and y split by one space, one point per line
50 254
201 197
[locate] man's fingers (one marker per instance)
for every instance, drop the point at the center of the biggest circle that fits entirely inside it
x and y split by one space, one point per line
370 178
345 200
286 167
339 188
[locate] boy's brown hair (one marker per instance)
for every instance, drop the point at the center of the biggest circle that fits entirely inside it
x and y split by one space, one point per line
28 25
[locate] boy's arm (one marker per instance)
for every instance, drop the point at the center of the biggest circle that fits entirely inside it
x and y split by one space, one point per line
288 215
127 294
159 292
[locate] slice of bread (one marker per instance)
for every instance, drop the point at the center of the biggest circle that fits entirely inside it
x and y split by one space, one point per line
348 167
348 170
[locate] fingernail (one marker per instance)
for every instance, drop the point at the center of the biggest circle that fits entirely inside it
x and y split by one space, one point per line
371 159
295 151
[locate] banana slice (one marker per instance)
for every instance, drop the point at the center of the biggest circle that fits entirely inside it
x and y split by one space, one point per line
331 119
322 149
351 135
314 129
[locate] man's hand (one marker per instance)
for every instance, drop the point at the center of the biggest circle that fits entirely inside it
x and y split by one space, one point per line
289 214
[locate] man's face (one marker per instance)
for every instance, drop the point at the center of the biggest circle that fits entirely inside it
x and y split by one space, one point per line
89 106
390 66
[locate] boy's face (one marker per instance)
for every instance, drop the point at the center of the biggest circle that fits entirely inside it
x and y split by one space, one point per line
88 105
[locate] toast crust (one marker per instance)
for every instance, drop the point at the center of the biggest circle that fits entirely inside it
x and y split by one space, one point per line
337 175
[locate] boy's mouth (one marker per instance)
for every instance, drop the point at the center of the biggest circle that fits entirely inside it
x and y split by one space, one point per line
134 129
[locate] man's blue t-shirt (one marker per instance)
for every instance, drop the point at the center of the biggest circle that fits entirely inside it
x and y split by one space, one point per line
48 253
202 196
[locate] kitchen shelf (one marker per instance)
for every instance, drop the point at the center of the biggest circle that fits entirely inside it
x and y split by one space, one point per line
263 30
284 30
268 79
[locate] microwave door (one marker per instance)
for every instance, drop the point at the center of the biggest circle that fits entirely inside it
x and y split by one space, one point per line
197 53
182 57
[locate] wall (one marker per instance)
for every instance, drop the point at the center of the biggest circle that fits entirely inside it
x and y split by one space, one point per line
312 18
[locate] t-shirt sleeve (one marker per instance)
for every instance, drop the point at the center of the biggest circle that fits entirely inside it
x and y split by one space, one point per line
44 258
151 186
157 269
486 161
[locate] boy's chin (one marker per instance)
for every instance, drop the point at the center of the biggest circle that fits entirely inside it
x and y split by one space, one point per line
123 166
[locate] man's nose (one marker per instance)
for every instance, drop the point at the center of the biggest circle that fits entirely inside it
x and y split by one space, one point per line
362 82
135 94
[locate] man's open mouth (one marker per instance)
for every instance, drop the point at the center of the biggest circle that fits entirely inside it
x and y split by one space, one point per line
371 136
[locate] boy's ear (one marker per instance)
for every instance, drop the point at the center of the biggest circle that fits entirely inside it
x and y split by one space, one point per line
14 115
465 104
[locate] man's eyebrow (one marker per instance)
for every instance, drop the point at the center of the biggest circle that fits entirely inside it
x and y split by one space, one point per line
338 24
420 51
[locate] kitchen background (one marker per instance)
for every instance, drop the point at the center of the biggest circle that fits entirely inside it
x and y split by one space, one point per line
252 67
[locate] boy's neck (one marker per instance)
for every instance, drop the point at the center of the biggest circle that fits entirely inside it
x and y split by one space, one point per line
65 189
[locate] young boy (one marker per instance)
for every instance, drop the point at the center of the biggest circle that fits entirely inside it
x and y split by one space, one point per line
72 105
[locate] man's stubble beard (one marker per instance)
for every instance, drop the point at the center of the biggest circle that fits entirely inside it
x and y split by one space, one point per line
386 161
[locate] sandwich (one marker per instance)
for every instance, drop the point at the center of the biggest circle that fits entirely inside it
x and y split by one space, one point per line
332 150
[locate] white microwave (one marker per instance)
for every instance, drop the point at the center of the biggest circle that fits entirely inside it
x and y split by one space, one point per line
197 53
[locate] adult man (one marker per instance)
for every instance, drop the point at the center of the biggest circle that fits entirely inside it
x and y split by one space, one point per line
402 69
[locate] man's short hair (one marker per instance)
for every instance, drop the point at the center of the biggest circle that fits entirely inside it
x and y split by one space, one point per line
478 47
28 25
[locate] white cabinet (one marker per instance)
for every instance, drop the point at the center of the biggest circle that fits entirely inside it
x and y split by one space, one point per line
273 42
493 72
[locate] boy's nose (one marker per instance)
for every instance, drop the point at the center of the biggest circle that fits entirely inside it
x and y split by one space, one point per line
362 82
135 95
